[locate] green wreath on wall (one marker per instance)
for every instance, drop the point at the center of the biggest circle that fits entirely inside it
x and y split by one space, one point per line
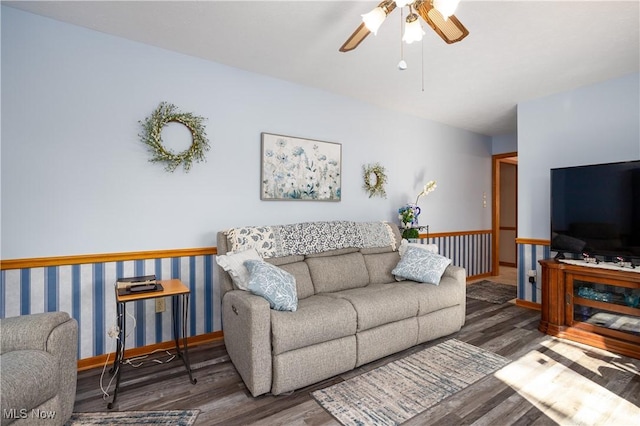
375 179
152 136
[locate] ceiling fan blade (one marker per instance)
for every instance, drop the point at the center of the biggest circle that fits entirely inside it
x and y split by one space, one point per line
355 39
362 32
450 30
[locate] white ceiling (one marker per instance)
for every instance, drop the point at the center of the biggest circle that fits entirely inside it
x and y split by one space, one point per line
516 50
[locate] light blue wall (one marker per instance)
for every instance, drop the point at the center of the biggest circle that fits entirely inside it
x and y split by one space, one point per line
594 124
76 178
503 144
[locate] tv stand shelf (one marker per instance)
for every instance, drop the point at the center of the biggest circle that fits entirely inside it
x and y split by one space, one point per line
591 305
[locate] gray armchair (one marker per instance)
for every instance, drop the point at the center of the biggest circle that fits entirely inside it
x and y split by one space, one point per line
38 364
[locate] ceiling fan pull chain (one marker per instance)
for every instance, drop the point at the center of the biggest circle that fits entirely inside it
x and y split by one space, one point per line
402 65
422 47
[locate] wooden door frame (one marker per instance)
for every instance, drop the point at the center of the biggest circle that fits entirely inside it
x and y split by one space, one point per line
495 216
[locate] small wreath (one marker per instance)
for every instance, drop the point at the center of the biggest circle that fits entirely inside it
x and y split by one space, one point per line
152 137
374 189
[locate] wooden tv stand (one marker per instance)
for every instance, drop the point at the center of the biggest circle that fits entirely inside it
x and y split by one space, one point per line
586 304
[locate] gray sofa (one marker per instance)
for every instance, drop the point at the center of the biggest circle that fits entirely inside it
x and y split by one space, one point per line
38 359
351 310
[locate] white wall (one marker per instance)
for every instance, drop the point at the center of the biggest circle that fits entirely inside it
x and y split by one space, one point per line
76 178
594 124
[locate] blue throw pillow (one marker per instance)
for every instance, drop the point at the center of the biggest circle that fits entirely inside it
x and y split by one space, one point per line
421 265
274 284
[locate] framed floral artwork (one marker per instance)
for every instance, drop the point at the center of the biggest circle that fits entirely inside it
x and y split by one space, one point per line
300 169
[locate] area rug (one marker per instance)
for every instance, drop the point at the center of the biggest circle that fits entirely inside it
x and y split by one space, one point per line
394 393
492 292
172 417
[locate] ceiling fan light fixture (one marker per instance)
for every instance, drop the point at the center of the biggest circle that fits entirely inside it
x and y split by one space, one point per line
448 27
412 29
446 7
374 19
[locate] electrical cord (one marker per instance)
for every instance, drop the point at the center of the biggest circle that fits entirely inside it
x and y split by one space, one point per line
105 391
130 361
114 333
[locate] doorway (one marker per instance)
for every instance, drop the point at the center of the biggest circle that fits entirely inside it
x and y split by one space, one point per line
505 211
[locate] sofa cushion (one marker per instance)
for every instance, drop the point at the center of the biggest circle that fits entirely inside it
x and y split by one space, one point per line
376 250
335 273
318 319
300 270
273 283
421 265
433 298
284 260
233 263
379 304
311 364
387 339
380 267
32 376
335 252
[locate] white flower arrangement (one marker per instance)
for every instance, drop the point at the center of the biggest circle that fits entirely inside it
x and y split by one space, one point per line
408 214
428 188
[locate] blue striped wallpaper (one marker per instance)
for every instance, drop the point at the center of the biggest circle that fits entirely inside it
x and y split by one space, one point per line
86 292
528 257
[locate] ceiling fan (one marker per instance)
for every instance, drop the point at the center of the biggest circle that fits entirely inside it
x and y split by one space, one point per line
437 13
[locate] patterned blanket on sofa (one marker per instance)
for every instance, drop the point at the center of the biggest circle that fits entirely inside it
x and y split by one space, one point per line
310 237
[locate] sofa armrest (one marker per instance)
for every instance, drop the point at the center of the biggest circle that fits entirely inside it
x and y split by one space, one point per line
52 332
246 320
30 331
457 273
63 343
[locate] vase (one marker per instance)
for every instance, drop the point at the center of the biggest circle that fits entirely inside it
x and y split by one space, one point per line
416 213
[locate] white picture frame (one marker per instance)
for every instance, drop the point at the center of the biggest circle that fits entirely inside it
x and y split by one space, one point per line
298 169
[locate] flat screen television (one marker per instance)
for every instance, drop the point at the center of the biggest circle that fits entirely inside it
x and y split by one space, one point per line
595 210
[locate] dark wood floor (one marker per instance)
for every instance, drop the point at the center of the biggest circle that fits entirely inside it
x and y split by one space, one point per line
550 381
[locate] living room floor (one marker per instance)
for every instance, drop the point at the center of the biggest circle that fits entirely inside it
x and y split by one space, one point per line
506 275
550 381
